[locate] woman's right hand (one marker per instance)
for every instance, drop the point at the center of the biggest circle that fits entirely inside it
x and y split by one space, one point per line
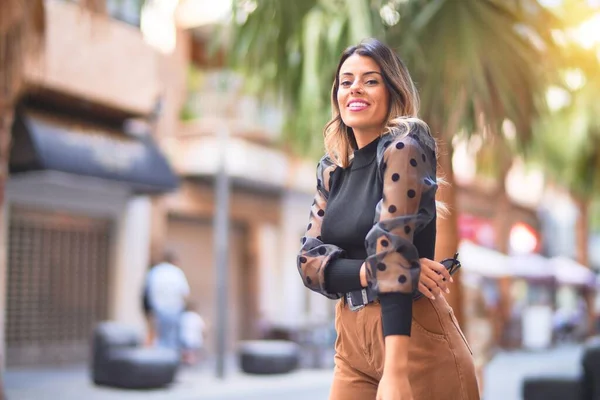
434 278
394 386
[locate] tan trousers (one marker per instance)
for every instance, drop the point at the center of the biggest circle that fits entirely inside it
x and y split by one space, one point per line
440 359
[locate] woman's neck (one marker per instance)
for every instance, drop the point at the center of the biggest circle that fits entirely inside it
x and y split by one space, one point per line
363 138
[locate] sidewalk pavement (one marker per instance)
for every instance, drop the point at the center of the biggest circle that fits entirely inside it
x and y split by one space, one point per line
75 384
504 377
505 374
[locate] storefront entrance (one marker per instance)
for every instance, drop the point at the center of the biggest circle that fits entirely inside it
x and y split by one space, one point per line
58 274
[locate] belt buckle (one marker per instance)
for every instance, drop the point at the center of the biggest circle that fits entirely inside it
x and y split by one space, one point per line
357 307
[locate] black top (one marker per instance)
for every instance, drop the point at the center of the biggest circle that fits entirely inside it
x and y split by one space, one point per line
379 210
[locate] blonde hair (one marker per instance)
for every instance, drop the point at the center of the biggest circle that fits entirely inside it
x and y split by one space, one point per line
339 138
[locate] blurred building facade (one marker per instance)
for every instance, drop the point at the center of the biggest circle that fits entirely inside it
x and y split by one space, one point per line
79 196
92 202
270 192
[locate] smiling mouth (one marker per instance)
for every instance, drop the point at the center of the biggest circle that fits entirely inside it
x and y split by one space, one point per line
357 106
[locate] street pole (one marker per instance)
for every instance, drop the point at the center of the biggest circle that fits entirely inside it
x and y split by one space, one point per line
221 236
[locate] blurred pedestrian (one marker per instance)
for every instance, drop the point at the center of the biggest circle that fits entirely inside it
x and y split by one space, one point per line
192 334
148 314
371 225
168 290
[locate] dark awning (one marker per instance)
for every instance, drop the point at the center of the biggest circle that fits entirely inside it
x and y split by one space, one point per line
44 142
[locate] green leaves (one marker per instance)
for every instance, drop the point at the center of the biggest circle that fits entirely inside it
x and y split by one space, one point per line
292 48
475 62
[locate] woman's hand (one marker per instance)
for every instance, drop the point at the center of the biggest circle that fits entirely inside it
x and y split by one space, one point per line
434 278
394 387
394 384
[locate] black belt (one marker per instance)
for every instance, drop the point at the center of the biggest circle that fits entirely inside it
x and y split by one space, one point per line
360 298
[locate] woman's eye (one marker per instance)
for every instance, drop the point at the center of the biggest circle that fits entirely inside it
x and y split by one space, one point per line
346 83
372 82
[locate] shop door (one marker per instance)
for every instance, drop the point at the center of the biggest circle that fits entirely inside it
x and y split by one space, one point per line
58 266
192 241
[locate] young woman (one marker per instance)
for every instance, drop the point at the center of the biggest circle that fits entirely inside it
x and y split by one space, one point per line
371 238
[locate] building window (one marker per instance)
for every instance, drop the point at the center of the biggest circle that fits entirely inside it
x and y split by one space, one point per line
128 11
125 10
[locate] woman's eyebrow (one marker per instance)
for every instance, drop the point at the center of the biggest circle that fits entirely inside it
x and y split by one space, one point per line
366 73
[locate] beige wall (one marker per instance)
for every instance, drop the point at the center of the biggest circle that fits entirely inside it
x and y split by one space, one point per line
97 59
197 199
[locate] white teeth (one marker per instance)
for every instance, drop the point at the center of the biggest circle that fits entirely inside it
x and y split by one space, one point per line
358 105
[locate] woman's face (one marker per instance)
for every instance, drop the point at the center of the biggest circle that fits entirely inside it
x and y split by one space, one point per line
362 96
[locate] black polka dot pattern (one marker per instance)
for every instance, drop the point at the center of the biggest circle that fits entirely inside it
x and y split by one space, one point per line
407 173
314 255
395 267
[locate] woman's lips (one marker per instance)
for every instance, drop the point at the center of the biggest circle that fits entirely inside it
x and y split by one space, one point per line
357 105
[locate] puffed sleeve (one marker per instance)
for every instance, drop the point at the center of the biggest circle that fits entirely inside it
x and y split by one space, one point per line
407 169
315 257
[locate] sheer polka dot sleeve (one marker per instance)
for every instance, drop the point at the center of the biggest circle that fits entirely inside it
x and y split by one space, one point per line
407 170
315 256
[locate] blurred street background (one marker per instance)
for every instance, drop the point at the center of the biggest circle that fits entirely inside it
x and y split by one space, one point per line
182 135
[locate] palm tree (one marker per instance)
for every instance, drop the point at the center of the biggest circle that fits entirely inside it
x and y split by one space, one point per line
567 143
476 63
22 30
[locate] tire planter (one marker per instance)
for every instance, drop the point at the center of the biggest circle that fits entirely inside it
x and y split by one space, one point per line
119 361
591 369
552 388
265 357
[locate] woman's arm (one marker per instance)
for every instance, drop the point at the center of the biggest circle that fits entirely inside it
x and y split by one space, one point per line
323 267
408 204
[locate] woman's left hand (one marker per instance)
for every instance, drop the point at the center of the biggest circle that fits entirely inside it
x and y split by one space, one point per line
434 278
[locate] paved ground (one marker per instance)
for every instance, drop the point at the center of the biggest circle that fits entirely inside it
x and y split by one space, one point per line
74 384
506 372
503 382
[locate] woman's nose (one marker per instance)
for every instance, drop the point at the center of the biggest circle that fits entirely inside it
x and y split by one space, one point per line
355 87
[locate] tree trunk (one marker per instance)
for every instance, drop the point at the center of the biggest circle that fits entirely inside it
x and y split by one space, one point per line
447 229
582 240
582 231
502 225
6 119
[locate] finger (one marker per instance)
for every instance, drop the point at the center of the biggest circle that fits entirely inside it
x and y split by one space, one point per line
437 279
425 291
431 285
440 268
